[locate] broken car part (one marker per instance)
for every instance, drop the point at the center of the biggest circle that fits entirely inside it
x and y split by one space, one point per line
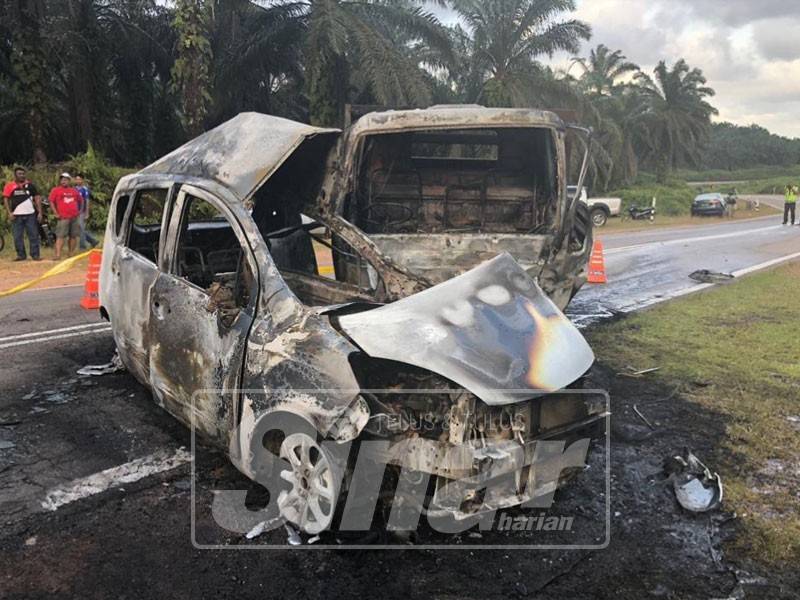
115 366
706 276
696 488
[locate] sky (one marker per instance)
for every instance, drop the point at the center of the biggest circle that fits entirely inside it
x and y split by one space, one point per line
748 49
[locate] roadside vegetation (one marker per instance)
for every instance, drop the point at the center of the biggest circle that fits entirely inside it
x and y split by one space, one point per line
753 174
151 74
101 176
734 351
175 68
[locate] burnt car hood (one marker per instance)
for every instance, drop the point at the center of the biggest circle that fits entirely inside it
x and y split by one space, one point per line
492 331
243 153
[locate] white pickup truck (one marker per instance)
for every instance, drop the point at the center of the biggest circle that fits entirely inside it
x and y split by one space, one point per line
599 208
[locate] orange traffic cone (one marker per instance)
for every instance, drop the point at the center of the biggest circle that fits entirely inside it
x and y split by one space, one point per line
597 264
91 291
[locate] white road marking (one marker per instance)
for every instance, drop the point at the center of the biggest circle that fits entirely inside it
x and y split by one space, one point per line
135 470
46 336
51 331
766 265
690 240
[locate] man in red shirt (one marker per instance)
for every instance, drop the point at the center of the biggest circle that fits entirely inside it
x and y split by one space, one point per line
65 201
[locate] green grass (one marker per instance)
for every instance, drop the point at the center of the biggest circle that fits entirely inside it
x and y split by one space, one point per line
744 339
752 174
674 197
768 186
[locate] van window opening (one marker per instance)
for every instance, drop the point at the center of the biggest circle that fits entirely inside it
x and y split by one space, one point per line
453 181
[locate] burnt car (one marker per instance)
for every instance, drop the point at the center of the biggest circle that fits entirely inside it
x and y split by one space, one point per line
217 304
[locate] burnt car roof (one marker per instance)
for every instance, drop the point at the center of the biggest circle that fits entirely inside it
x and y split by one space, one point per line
454 116
241 154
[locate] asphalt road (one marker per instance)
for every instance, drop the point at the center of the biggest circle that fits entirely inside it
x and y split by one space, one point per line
95 481
647 267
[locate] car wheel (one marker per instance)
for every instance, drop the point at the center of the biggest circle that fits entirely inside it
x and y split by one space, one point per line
314 479
599 217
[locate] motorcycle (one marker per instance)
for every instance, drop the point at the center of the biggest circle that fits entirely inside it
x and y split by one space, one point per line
642 214
47 236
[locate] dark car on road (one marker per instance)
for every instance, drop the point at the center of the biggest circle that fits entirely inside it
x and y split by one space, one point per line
709 205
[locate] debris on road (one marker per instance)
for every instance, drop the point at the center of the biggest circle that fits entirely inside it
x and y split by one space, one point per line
293 538
638 373
643 418
262 527
706 276
6 445
115 366
697 489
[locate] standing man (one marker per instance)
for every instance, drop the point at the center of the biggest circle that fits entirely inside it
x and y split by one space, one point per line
790 205
24 207
86 235
66 203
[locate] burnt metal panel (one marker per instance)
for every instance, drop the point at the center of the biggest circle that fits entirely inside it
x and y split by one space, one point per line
241 154
439 257
491 330
453 116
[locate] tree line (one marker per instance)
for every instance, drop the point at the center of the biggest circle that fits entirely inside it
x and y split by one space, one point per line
135 78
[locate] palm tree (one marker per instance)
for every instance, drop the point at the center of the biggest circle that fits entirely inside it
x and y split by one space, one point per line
191 71
506 37
371 38
676 115
603 69
29 69
258 60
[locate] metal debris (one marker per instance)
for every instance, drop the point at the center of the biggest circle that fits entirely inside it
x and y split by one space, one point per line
706 276
643 418
634 373
263 527
56 397
293 538
115 366
697 489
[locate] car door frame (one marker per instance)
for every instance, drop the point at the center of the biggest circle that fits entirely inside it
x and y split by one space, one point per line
212 413
129 269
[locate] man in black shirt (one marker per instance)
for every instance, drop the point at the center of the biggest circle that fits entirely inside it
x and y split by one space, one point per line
24 207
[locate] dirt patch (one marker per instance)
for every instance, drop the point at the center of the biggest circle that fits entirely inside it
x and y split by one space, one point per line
13 273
